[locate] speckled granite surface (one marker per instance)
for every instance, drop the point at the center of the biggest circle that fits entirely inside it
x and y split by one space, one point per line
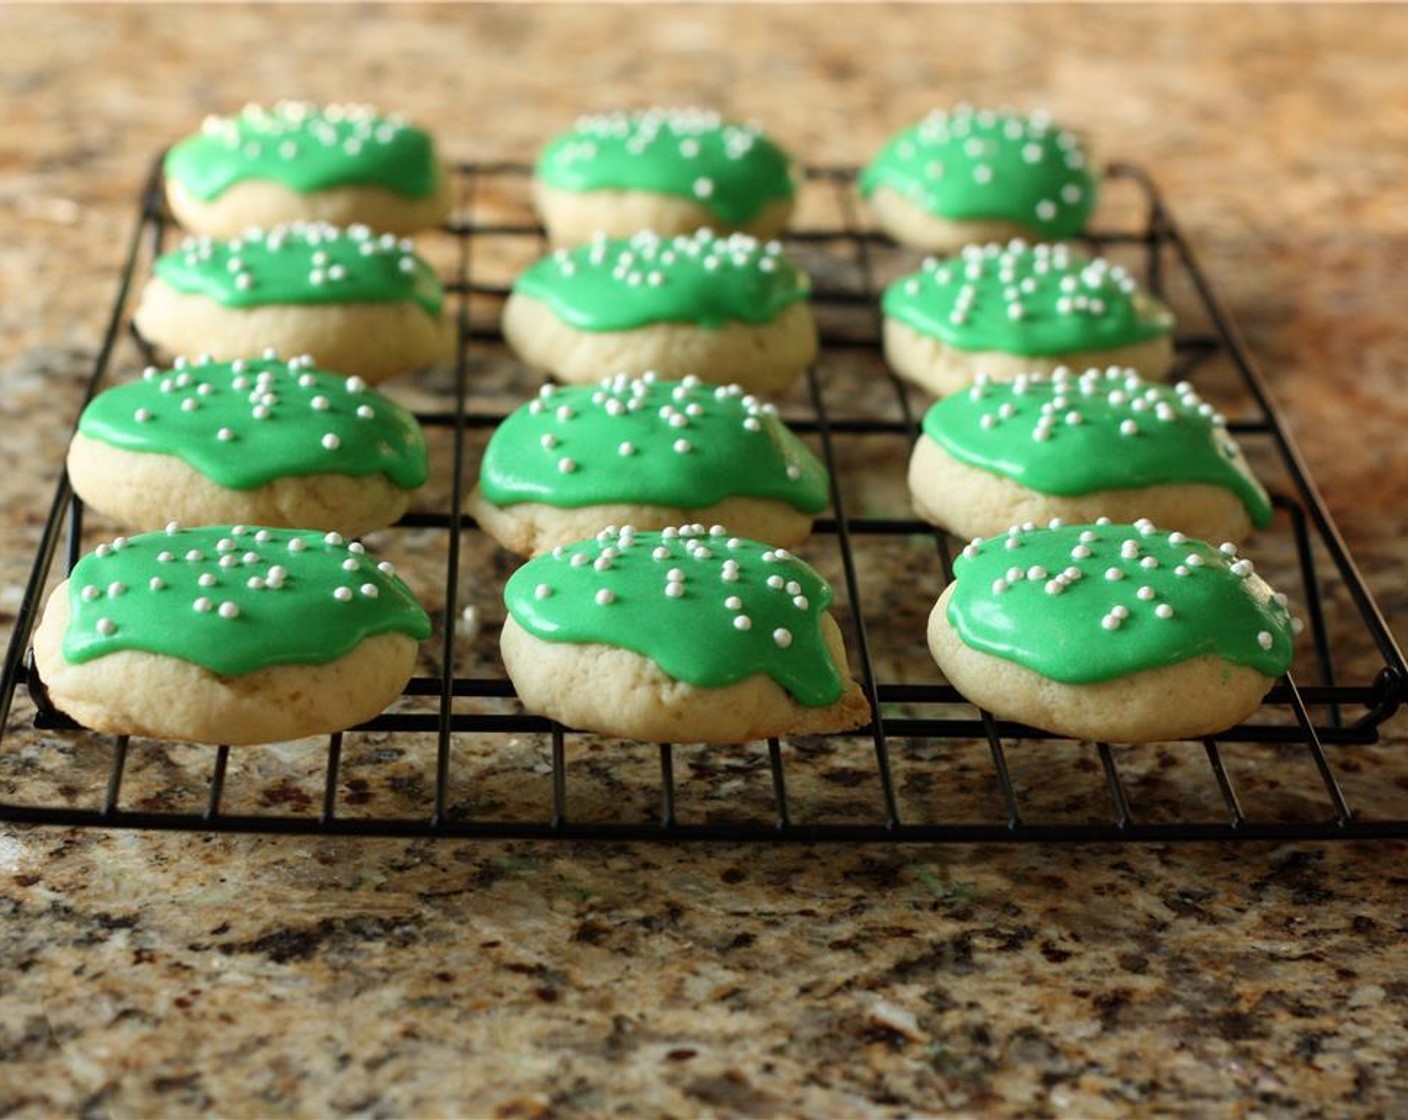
150 974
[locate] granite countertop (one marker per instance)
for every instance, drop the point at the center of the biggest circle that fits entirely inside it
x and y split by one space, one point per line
150 974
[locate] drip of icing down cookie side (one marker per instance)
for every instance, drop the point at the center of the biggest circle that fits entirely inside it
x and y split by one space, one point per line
708 609
977 164
248 422
305 263
649 441
235 599
1087 603
703 278
306 148
1020 299
1103 430
732 169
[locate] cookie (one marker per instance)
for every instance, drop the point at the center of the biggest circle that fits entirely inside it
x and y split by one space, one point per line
977 175
685 635
297 161
670 170
360 303
649 453
228 634
1110 632
1104 444
255 440
724 309
1004 311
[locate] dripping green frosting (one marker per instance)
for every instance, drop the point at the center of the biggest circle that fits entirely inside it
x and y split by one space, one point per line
621 283
731 169
303 262
1087 603
1032 300
976 164
306 148
709 609
671 443
235 599
1107 430
246 423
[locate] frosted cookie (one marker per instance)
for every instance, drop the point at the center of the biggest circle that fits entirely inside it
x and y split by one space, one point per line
686 635
254 440
227 635
723 309
1104 444
670 170
297 161
359 303
976 175
648 453
1003 311
1110 632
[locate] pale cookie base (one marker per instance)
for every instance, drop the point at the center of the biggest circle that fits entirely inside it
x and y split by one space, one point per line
528 528
135 693
912 225
264 203
144 490
374 341
767 358
572 217
616 692
1185 701
943 369
971 502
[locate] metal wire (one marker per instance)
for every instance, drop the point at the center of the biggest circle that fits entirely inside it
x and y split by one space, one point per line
1166 253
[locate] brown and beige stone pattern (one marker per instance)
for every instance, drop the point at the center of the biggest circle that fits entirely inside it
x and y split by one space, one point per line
150 974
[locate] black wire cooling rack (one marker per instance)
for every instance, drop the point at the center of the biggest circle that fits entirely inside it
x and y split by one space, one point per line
1301 736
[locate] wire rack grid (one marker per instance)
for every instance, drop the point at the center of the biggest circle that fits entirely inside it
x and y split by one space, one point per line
918 717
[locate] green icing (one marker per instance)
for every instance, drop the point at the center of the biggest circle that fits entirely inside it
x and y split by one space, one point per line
621 283
672 443
707 608
1087 603
977 164
1107 430
245 423
1032 300
303 262
234 599
733 170
307 148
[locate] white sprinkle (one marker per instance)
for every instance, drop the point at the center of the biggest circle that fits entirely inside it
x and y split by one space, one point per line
1163 610
330 441
542 591
297 545
369 590
1110 622
1193 560
782 637
105 626
1113 574
801 602
1264 639
202 604
605 597
683 446
567 465
1080 552
1242 568
229 610
1145 592
999 586
90 593
742 622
